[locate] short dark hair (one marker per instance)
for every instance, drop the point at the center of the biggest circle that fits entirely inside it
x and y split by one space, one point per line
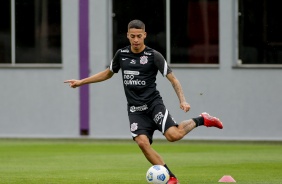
137 24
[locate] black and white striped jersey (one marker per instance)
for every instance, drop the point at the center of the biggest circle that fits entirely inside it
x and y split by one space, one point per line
139 73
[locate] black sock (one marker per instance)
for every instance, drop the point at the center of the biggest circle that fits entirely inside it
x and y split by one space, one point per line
170 173
199 121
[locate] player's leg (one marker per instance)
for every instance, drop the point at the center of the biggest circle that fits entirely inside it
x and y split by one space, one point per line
166 124
142 128
174 133
152 156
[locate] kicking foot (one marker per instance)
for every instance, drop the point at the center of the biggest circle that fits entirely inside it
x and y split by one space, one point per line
210 121
173 180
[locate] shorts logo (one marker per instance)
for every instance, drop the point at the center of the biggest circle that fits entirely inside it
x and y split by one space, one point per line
133 127
159 118
143 60
139 108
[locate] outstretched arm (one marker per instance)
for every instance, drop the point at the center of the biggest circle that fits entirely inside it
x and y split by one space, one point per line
99 77
179 92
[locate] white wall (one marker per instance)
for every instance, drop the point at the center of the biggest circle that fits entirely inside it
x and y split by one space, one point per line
35 102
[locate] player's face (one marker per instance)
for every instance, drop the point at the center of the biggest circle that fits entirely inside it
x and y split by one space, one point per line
136 38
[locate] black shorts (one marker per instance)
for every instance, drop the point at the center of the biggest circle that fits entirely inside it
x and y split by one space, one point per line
156 117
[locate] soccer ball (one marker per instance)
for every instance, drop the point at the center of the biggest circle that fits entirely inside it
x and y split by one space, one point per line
157 174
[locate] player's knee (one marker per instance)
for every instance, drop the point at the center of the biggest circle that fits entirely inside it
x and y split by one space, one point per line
173 134
173 137
142 142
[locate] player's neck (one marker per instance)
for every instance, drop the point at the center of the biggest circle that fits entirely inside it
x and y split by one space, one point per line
138 50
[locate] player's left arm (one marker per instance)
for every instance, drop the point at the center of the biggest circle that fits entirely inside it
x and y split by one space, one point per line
179 92
163 67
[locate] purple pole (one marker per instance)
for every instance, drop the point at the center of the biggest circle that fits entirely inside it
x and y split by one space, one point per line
84 65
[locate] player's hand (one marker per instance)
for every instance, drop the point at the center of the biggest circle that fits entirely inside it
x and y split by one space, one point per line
73 83
185 106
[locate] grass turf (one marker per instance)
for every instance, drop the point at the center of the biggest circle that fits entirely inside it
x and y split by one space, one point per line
85 161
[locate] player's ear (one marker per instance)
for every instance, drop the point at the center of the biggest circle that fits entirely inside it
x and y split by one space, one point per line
145 35
127 35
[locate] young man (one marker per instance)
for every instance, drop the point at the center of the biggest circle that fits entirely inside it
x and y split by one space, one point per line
146 110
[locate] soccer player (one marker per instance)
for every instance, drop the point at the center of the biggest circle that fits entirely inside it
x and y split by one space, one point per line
139 65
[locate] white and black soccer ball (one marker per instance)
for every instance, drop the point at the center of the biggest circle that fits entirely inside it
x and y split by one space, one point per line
157 174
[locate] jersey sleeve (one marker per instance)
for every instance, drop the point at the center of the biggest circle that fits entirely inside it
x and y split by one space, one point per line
161 63
115 65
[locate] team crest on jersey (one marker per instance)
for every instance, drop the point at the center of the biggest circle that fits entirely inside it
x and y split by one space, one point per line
143 60
134 126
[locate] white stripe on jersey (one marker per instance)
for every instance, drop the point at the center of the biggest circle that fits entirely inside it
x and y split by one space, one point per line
164 121
165 68
111 66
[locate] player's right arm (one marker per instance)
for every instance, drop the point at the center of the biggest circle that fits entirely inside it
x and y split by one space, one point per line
99 77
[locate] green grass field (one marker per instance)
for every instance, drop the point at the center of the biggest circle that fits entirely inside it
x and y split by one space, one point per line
50 161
